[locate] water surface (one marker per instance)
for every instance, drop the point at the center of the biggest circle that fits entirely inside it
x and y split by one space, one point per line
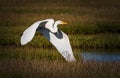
101 55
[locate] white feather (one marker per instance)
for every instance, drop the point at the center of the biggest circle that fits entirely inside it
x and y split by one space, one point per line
29 33
61 44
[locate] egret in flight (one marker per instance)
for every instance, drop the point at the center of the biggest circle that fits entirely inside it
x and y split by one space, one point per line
50 30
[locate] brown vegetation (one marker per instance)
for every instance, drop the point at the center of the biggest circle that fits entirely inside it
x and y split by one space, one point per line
57 69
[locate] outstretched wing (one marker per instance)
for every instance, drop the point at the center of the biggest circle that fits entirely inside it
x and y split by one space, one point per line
61 41
29 33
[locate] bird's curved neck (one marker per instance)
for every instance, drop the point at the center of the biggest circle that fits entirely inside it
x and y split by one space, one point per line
54 28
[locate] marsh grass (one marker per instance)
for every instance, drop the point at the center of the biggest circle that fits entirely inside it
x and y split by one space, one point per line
78 39
29 53
52 69
95 41
83 11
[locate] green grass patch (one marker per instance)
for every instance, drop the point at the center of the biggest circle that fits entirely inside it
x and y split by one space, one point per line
95 41
91 28
29 53
81 39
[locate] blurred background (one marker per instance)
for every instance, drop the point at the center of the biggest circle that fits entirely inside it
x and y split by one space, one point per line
93 26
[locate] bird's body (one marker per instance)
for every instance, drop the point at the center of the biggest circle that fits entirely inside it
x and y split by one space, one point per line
49 29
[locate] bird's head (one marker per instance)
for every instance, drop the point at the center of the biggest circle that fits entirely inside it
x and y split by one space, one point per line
60 22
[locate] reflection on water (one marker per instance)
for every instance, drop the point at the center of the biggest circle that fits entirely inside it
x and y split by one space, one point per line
107 56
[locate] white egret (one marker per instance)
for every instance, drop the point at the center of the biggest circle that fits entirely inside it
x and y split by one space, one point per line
49 29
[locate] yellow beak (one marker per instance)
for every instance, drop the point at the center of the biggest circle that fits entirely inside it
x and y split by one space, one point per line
64 23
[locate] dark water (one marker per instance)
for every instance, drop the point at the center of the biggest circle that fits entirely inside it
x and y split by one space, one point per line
101 55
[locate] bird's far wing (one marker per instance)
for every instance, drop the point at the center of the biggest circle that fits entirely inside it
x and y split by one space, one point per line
61 42
29 33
